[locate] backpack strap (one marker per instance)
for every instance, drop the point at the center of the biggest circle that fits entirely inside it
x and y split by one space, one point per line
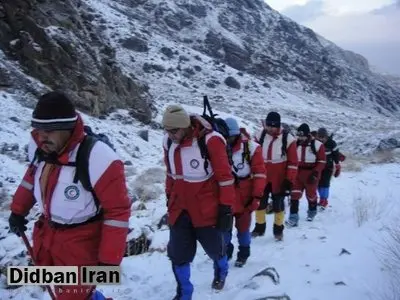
313 149
207 105
246 152
262 137
169 143
82 166
204 151
284 142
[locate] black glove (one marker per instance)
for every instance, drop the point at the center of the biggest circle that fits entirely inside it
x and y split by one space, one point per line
17 223
287 186
313 177
225 218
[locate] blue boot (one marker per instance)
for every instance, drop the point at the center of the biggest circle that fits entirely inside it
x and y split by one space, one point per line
244 239
220 273
184 290
97 295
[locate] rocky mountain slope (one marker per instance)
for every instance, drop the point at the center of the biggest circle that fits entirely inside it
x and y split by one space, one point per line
142 54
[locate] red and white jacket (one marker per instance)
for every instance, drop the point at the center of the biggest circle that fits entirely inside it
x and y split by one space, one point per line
188 186
307 159
68 203
278 167
252 176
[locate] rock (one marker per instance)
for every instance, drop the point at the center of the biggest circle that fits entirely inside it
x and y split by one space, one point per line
15 119
188 72
388 144
141 206
135 44
144 134
235 56
199 11
270 272
137 246
163 221
59 48
150 68
232 82
344 251
128 163
167 52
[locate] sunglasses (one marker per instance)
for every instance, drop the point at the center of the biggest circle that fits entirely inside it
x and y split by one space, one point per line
173 130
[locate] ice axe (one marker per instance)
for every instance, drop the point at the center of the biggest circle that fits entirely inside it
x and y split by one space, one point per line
30 251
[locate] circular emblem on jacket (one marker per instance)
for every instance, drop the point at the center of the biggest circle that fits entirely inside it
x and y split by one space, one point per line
194 163
240 166
71 192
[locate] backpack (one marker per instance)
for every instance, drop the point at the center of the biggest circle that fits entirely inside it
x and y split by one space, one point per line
285 134
219 125
82 160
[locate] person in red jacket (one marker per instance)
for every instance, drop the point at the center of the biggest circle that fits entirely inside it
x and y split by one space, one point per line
312 160
72 229
248 167
200 194
280 158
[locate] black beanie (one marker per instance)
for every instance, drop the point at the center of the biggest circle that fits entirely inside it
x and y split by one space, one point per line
54 111
322 132
303 130
273 119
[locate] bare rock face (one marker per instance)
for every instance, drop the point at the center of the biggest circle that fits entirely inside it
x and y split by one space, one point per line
55 42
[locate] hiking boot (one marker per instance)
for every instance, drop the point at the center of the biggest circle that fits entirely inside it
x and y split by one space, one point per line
293 220
259 230
218 284
311 215
323 203
240 262
278 232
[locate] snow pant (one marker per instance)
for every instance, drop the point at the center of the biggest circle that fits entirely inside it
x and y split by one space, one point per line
242 224
324 184
302 183
182 250
76 246
278 207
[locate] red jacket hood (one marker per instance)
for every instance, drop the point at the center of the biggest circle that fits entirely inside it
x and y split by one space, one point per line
76 137
200 127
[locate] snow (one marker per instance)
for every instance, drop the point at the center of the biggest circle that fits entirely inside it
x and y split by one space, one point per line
307 261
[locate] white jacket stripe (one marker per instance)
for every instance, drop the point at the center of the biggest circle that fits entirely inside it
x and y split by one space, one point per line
116 223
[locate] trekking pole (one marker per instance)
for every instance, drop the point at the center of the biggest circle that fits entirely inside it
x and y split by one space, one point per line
30 251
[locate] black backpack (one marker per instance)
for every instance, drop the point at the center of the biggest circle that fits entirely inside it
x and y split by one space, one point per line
82 160
285 134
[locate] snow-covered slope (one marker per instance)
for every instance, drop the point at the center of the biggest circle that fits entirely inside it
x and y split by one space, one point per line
308 261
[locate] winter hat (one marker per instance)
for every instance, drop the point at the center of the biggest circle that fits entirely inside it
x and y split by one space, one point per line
54 111
322 132
273 119
175 117
303 130
233 126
